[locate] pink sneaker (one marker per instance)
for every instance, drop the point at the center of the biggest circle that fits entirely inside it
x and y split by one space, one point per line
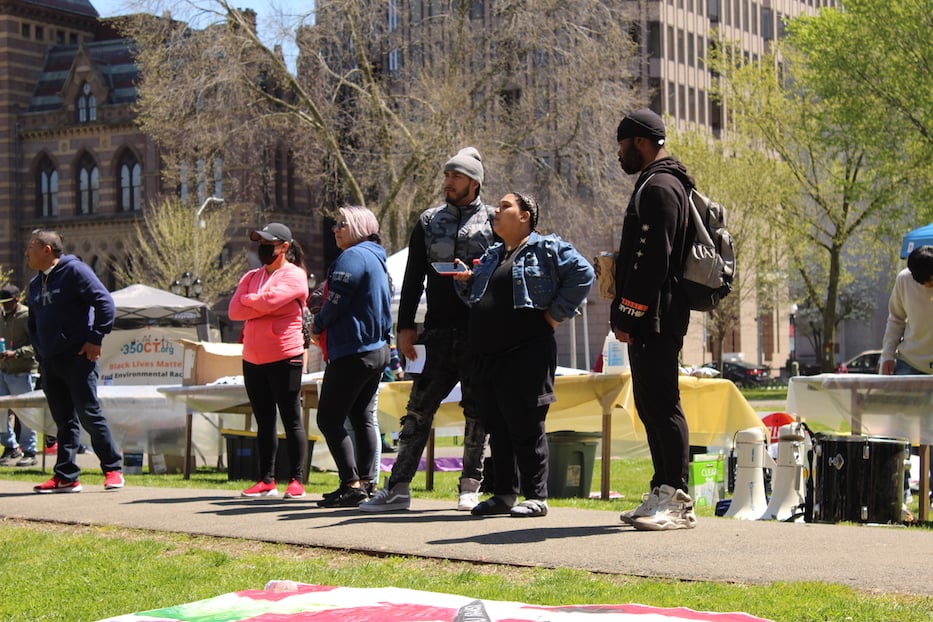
113 480
57 485
295 490
261 489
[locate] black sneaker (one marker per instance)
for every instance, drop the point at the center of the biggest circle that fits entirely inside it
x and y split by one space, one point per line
10 456
345 498
28 460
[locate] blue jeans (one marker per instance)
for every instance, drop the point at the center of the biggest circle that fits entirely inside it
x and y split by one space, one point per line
70 385
14 384
903 368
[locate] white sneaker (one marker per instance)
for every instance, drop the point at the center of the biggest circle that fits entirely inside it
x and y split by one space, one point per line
649 501
468 501
388 499
673 511
469 494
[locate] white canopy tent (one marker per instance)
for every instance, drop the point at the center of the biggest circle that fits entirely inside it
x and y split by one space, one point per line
143 348
395 264
151 305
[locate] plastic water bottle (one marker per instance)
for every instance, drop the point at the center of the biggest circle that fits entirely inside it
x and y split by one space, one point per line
2 344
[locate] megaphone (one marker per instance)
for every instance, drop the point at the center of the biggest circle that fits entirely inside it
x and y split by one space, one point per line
788 491
749 501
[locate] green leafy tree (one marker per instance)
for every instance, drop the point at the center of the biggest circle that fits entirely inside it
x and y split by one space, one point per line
873 59
848 196
168 242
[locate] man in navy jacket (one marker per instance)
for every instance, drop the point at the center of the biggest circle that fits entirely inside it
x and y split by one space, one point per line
70 311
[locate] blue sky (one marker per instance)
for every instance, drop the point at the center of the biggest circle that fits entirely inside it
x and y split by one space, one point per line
266 11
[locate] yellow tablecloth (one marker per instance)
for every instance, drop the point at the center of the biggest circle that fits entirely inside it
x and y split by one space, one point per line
715 411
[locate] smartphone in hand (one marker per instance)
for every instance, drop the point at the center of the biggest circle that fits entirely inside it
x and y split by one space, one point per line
448 268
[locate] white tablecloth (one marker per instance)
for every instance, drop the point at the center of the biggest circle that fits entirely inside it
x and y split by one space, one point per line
140 418
874 405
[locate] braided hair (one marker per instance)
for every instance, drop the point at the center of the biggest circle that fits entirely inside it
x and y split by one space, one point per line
528 203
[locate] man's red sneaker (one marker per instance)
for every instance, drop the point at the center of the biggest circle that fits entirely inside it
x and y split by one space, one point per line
261 489
113 480
51 449
295 490
57 485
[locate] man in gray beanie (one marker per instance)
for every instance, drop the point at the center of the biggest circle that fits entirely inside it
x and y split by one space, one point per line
467 162
461 229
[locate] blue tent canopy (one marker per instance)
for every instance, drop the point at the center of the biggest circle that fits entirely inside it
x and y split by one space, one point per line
918 237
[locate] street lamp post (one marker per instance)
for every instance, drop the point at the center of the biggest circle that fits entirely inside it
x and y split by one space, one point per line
792 337
192 285
199 223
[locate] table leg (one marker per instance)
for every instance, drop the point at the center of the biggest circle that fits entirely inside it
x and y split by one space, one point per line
606 455
924 513
429 467
189 422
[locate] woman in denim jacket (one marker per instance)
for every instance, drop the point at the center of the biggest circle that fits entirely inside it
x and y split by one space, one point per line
520 290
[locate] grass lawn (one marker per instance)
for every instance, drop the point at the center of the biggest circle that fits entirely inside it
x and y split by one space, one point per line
68 573
71 573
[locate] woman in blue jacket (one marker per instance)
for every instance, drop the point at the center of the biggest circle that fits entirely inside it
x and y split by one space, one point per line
522 288
352 329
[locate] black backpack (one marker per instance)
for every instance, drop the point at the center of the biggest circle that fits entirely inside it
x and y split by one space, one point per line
709 256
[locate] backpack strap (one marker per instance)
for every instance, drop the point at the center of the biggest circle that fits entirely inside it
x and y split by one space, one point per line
687 216
638 194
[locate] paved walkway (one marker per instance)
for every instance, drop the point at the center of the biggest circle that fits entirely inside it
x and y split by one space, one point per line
884 559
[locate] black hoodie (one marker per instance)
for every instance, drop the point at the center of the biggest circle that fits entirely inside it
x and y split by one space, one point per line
651 251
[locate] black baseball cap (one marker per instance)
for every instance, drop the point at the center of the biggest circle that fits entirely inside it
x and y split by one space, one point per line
273 232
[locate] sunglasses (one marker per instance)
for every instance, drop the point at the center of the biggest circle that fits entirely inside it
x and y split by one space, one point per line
340 225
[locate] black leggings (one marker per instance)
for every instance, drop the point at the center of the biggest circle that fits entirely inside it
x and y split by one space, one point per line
274 385
347 390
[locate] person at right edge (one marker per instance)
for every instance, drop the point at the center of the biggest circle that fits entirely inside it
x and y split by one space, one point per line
907 345
650 314
460 228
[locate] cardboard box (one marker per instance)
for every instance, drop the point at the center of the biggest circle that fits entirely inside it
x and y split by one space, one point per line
207 361
707 479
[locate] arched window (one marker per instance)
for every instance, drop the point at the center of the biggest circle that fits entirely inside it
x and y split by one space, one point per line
130 176
46 189
86 105
88 185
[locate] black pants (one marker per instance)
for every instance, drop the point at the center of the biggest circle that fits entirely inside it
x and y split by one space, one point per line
274 385
515 391
656 389
347 390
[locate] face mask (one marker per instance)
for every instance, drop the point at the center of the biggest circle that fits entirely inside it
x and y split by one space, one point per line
266 253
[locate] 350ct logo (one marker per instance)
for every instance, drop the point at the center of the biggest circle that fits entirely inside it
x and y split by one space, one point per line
147 345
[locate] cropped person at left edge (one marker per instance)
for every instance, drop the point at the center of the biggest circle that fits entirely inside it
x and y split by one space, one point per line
70 312
271 300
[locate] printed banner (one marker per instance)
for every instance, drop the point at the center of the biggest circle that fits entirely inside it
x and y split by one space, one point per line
144 356
286 600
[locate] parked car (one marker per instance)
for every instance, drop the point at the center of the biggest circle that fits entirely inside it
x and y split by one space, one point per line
743 374
868 362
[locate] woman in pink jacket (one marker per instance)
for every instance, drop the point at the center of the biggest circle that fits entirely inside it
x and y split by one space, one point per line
270 300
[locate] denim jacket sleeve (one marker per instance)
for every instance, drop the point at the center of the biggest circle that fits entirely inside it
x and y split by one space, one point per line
548 274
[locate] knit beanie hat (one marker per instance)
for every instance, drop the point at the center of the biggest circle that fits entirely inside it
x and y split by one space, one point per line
467 162
643 122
